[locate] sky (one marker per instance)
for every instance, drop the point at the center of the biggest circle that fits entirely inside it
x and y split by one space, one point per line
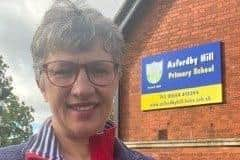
18 22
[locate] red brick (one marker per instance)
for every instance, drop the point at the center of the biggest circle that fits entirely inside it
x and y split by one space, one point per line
171 25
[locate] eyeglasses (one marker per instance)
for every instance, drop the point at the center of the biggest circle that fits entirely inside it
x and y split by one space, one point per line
65 73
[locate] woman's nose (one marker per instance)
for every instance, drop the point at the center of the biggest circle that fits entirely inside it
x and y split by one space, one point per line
82 86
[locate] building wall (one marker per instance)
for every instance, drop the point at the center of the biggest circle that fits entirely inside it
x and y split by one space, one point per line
222 153
175 24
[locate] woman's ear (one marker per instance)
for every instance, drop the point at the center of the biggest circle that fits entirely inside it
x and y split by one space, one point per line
41 86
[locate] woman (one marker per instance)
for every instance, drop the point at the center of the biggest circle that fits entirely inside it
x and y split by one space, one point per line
77 62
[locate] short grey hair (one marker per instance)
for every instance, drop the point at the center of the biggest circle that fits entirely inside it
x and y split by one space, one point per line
68 26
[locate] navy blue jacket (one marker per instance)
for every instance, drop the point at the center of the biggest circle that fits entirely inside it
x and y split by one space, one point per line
121 152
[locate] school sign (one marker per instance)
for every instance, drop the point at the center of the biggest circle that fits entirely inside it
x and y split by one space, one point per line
186 77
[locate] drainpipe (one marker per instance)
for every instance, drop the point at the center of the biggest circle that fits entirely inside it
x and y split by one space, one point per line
121 27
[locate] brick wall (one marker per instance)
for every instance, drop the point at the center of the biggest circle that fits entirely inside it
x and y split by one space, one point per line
222 153
175 24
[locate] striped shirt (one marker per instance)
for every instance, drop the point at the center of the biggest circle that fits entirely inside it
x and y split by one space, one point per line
46 144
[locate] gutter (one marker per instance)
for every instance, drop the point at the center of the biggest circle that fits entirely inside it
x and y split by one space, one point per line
129 15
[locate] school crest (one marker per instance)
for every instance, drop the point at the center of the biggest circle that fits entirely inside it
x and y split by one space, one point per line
154 71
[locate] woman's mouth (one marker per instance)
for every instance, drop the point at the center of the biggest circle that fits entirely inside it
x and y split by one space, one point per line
82 111
82 107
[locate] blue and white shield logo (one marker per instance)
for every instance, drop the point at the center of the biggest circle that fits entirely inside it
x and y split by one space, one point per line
154 71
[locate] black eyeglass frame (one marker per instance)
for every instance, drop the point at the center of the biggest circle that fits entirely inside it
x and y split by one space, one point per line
44 68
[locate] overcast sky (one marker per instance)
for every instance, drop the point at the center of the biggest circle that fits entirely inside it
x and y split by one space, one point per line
18 21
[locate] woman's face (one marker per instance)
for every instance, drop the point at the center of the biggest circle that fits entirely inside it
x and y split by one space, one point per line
81 109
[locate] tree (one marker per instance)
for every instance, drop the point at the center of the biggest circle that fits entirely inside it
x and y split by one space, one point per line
15 116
